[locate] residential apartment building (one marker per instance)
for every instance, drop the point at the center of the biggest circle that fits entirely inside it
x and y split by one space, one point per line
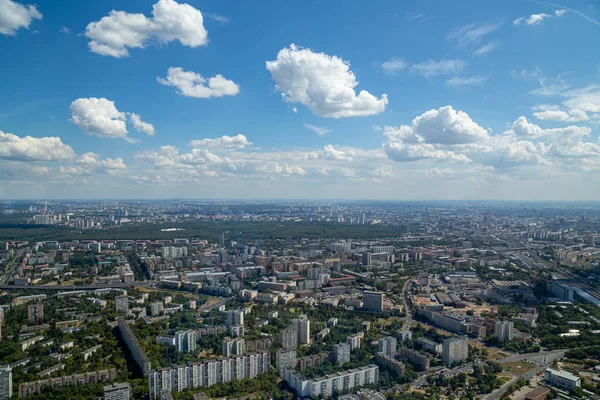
454 349
503 330
325 386
208 373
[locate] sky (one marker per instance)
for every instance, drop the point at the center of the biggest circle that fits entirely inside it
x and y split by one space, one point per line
342 99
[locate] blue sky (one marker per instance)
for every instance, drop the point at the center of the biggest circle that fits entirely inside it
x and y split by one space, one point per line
337 99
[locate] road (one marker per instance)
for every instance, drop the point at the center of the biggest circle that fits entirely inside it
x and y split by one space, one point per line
496 394
209 306
78 287
542 359
10 268
407 309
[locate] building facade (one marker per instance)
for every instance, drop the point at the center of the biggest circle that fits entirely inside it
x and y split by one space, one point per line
208 373
455 350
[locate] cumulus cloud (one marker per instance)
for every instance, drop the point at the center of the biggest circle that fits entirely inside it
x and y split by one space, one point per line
431 68
447 135
119 31
317 129
140 125
192 84
238 141
13 147
100 117
14 16
323 83
93 159
560 115
332 153
536 19
447 126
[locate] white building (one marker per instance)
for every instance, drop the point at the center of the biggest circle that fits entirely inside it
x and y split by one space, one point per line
233 347
382 249
454 349
562 379
117 391
235 317
208 373
156 308
354 340
341 353
174 252
185 341
285 359
387 346
504 330
5 382
302 326
121 304
325 386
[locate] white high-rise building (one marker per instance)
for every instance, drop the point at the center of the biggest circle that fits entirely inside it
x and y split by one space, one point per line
235 317
288 338
174 252
185 341
354 340
341 353
117 391
233 347
285 359
302 326
504 330
455 349
121 304
156 308
5 383
387 346
207 373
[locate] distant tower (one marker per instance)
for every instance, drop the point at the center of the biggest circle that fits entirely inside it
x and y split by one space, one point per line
222 239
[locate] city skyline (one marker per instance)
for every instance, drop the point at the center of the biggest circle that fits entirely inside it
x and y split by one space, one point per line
387 101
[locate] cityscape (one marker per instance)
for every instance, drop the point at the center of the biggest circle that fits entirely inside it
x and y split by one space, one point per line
304 299
299 200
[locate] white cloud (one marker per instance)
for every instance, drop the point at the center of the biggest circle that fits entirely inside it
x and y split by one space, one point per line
140 125
536 19
285 169
431 68
447 126
13 147
192 84
394 65
238 141
65 30
216 17
419 17
317 129
472 34
445 135
470 81
323 83
100 117
586 98
560 115
115 33
14 16
487 48
331 153
92 161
